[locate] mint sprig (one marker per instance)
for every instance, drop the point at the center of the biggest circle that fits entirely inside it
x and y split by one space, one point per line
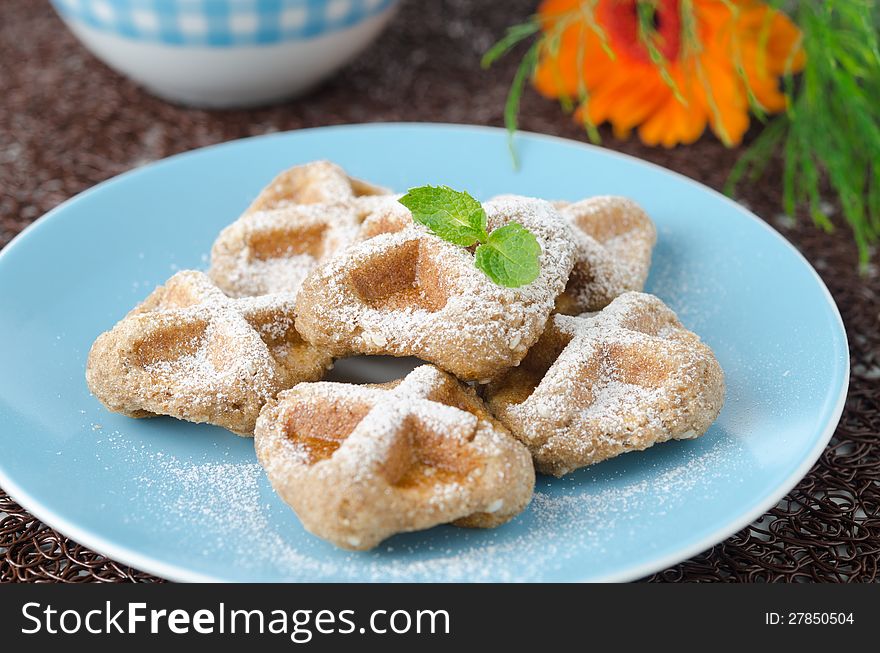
509 255
454 216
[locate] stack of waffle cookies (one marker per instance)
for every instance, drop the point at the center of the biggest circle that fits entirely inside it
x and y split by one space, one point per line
576 367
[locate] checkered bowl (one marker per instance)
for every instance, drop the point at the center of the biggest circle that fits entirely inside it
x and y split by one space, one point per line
226 53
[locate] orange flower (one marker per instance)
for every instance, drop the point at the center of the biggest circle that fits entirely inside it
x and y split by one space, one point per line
705 59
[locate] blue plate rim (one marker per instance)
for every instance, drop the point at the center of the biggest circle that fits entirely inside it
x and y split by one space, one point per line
175 573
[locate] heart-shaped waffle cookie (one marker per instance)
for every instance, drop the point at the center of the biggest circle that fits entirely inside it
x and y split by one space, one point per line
360 463
191 352
411 293
602 384
302 218
615 238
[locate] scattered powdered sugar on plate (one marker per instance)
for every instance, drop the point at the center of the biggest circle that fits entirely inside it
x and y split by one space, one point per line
241 522
686 282
557 527
225 501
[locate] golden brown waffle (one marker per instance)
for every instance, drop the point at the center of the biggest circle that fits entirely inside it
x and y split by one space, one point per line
411 293
387 218
602 384
190 352
360 463
302 218
318 182
614 238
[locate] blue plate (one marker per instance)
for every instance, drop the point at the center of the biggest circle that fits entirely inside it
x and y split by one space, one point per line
189 502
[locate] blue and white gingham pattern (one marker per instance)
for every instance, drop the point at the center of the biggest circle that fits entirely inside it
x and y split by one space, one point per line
220 22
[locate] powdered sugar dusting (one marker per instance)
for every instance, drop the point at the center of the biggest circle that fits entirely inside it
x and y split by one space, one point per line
366 449
231 352
404 457
297 238
241 522
190 351
304 216
613 239
318 182
206 377
615 381
457 305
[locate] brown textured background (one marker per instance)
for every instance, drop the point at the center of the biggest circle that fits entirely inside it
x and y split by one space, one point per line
67 122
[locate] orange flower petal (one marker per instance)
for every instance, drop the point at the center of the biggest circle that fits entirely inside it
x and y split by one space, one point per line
628 91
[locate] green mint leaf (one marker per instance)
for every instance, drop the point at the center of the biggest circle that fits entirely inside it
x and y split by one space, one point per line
450 214
509 257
